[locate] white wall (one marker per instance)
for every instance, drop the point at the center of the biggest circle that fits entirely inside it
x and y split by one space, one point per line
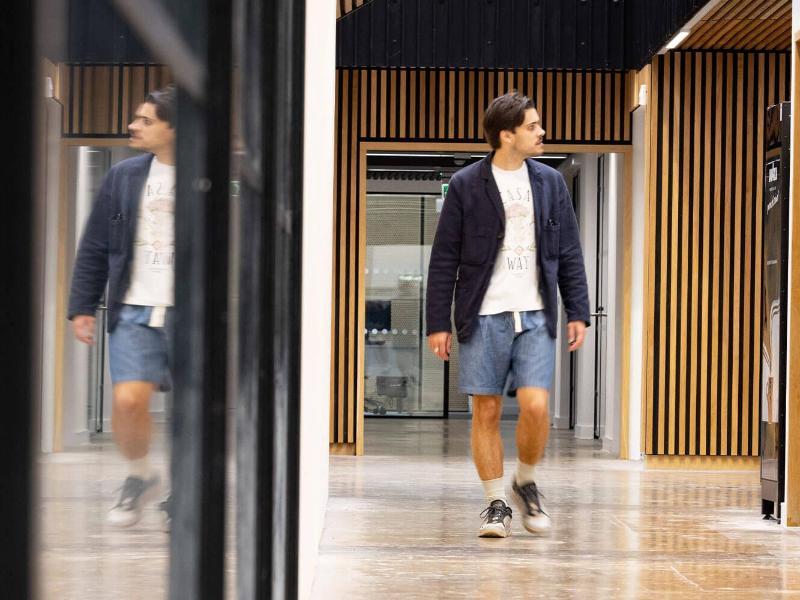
584 362
795 16
638 224
317 259
613 305
48 246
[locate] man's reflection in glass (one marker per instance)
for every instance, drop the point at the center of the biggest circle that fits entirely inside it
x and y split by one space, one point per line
129 245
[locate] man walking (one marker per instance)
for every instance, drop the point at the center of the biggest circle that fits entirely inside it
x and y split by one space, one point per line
129 244
507 236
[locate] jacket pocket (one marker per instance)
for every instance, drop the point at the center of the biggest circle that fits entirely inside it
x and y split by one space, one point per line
551 232
116 234
476 246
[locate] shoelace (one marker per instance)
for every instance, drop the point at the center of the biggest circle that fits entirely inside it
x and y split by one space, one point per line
495 514
530 493
131 489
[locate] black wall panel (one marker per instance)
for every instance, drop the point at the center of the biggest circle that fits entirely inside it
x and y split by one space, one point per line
504 34
96 33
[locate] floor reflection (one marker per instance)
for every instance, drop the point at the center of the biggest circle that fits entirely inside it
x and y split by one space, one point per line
402 522
82 556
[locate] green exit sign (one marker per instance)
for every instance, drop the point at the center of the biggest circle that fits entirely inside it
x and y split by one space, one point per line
440 200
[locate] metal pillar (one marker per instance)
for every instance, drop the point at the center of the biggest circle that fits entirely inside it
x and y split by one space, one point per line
270 53
197 544
16 322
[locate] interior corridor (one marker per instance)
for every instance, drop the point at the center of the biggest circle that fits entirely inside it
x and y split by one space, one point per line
402 523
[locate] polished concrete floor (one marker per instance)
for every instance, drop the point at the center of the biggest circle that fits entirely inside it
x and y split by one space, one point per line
402 523
81 556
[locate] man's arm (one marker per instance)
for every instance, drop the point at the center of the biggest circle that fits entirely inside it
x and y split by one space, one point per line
90 272
571 270
442 271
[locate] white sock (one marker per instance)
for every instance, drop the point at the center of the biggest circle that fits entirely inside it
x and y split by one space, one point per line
525 473
494 490
140 467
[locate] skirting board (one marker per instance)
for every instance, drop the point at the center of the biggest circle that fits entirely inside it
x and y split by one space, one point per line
561 423
703 463
343 449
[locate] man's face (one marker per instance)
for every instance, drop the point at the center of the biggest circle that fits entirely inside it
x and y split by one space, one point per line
148 132
528 138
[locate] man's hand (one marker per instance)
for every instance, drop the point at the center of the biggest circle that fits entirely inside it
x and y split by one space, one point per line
440 343
576 331
83 326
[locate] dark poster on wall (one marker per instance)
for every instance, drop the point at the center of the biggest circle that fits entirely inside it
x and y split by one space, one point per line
774 310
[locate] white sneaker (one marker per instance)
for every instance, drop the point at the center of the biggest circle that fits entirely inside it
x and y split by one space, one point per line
136 493
529 501
496 520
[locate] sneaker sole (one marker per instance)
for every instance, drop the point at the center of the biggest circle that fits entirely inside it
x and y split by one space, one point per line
494 533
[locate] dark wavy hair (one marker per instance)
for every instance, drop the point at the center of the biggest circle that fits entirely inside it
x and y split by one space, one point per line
505 113
164 101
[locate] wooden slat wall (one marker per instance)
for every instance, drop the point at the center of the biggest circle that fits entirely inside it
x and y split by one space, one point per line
435 105
707 146
100 100
744 25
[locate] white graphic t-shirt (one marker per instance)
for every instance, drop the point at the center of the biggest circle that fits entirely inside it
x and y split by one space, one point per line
153 269
514 286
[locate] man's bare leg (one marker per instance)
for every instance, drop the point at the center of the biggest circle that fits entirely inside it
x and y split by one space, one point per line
487 444
533 428
130 418
133 429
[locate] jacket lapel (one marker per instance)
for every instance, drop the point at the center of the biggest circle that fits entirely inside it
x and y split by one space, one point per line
537 189
490 186
132 191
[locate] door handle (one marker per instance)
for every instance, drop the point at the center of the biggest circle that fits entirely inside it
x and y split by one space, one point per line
600 312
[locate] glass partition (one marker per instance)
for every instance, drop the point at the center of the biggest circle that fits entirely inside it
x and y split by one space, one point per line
402 378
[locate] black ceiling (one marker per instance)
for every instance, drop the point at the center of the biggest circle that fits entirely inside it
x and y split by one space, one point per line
94 32
500 34
548 34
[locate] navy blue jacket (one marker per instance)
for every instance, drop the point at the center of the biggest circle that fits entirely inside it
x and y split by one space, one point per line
105 253
467 240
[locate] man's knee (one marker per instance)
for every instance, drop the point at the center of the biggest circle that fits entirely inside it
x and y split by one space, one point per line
487 410
533 405
129 401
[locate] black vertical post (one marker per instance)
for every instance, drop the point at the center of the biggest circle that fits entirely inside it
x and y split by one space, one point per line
197 542
16 325
270 52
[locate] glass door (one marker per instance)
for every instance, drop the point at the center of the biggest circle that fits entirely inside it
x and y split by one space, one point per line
401 377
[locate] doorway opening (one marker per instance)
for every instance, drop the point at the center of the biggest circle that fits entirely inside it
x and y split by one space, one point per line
404 189
586 394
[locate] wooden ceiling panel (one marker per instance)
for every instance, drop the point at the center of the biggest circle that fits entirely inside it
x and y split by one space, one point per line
743 25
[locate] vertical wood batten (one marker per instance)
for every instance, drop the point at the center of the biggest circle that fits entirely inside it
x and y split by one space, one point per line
705 301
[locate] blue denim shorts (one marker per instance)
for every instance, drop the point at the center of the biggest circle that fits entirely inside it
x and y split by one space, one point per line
139 352
495 353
